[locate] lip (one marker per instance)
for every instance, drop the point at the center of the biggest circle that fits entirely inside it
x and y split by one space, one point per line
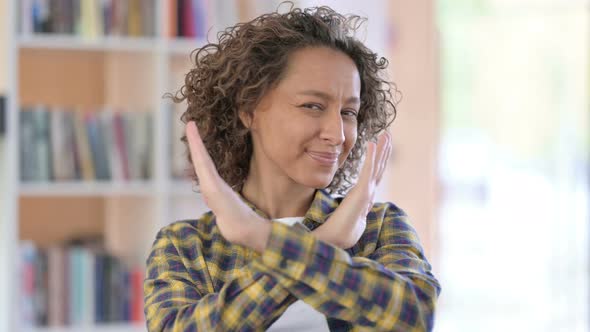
324 158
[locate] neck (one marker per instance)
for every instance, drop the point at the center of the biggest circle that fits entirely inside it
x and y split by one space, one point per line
276 196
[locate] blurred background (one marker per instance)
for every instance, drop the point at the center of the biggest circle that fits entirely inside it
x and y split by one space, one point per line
490 160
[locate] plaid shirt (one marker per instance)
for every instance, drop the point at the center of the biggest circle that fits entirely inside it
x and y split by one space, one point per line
198 281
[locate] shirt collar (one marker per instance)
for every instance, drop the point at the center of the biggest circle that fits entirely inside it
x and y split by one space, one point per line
322 206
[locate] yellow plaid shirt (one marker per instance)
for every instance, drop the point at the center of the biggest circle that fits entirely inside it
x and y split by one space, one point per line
198 281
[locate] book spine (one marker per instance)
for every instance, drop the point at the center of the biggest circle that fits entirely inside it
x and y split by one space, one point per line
99 288
56 269
41 140
27 283
97 144
110 149
137 276
26 136
57 144
41 288
188 24
121 150
88 287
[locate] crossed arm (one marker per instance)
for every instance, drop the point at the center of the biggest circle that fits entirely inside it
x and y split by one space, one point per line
392 289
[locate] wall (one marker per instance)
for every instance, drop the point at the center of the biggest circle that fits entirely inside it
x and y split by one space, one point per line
3 46
4 283
412 179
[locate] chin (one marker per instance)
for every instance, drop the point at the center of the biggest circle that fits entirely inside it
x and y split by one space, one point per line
313 177
318 182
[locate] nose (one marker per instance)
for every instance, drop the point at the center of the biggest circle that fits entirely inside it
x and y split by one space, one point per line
332 128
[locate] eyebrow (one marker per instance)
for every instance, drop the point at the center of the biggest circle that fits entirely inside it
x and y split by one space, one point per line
326 96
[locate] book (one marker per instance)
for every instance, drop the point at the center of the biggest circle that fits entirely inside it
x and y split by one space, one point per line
57 284
27 282
100 157
26 153
83 153
77 284
41 284
59 144
120 145
42 160
89 19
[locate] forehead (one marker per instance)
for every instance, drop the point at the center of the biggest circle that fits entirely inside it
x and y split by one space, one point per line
324 69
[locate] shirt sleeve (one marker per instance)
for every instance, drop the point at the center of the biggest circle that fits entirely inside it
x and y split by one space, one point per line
392 289
174 302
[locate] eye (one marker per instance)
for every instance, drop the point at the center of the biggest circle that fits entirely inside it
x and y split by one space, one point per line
313 106
349 112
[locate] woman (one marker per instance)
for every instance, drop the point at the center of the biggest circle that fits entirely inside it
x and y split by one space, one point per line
279 114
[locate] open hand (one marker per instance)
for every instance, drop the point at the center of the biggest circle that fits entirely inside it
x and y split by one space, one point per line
348 222
235 219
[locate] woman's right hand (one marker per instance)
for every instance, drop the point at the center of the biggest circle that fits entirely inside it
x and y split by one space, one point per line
236 221
348 222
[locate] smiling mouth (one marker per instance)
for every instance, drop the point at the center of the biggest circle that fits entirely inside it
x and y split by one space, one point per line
324 159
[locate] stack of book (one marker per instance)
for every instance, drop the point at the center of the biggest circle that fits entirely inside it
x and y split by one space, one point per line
89 18
57 144
190 18
77 285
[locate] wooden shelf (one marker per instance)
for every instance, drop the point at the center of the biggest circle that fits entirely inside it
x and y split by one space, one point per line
179 46
87 73
183 46
101 44
81 188
182 188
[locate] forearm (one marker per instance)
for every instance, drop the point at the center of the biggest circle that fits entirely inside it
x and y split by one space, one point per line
242 304
178 300
256 235
358 290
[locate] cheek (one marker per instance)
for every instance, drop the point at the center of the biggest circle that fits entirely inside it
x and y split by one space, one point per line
287 139
350 135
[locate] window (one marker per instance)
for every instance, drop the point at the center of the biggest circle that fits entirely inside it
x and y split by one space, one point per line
514 162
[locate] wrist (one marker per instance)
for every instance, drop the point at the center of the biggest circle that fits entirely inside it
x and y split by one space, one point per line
322 233
258 234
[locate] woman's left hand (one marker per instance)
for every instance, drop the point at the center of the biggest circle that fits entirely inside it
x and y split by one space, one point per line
237 222
348 222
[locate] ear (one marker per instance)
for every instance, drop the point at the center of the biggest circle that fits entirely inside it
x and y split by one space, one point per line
247 119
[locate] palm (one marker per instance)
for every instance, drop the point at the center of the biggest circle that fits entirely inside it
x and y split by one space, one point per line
231 213
348 222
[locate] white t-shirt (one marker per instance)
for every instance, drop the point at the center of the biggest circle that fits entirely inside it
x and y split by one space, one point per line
300 316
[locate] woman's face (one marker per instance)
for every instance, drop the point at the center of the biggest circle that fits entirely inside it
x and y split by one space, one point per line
304 129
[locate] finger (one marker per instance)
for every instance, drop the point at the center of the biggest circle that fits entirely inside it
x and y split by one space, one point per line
383 166
367 168
202 163
384 160
370 203
381 149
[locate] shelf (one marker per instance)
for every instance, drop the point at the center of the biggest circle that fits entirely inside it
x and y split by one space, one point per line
183 188
79 188
114 327
119 71
100 44
180 46
184 46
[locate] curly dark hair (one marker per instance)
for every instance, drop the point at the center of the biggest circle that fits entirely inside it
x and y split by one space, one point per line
232 76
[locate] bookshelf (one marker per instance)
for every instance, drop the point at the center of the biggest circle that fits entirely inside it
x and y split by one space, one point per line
90 73
128 73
